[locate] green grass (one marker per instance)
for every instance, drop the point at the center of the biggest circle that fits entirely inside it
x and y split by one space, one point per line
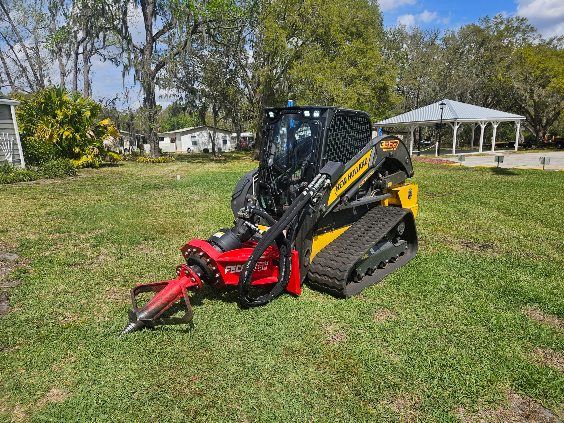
453 333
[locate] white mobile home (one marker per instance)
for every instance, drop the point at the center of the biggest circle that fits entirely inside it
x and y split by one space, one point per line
195 140
10 145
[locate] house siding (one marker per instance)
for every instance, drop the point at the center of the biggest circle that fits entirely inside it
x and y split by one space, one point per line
7 127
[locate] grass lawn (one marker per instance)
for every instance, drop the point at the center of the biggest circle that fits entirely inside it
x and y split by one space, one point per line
471 329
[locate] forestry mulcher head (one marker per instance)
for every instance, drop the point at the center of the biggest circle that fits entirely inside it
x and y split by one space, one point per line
328 206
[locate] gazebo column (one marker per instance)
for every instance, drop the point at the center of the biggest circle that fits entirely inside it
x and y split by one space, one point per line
517 133
482 127
473 134
455 127
495 125
412 139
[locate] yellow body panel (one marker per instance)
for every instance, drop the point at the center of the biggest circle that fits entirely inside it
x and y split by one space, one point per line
323 240
350 177
404 196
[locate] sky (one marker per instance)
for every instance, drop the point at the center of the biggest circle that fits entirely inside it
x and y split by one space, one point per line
546 15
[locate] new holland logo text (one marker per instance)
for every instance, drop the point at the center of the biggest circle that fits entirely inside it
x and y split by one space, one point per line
343 182
237 268
357 170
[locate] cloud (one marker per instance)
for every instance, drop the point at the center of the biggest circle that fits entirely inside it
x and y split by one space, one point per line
406 20
546 15
387 5
425 17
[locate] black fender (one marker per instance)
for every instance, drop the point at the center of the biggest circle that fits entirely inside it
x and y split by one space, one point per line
391 152
243 188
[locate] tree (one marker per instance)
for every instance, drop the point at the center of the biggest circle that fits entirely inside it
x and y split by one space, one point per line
168 28
23 56
536 77
341 60
416 55
323 51
176 117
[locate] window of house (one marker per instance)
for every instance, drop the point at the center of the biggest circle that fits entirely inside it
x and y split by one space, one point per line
224 140
172 139
194 140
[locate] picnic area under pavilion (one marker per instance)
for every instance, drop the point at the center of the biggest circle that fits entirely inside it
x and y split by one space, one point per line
455 114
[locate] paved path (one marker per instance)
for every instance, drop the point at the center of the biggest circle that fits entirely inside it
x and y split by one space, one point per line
515 160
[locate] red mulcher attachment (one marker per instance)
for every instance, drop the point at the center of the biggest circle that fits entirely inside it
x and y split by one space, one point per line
243 256
205 262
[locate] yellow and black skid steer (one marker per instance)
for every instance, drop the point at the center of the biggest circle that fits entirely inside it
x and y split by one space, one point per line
328 205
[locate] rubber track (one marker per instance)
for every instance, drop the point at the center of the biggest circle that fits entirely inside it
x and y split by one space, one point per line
332 266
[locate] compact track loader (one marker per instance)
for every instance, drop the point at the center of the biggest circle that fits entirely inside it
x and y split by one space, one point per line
327 205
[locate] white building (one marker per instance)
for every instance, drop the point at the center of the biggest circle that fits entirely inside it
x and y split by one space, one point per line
195 140
10 145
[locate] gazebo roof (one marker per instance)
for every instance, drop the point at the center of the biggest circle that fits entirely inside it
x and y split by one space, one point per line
454 111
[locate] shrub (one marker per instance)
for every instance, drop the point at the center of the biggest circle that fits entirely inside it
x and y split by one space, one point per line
91 159
10 174
54 124
112 157
58 168
162 159
87 161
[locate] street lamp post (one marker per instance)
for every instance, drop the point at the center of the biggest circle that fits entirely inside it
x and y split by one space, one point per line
442 105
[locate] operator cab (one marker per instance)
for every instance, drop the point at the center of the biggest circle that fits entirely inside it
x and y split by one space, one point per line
298 141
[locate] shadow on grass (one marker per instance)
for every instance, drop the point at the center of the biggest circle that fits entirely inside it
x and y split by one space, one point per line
208 158
503 171
208 293
105 164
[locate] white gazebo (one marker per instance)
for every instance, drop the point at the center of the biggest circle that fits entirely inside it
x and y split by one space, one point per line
455 114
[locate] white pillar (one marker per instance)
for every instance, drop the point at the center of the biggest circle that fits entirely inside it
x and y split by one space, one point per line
412 139
17 135
494 124
455 127
482 126
473 134
517 133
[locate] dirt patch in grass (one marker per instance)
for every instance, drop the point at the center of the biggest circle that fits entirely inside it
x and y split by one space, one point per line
466 244
8 262
407 406
147 249
550 358
518 409
18 414
4 303
334 334
54 395
383 314
116 294
544 318
458 244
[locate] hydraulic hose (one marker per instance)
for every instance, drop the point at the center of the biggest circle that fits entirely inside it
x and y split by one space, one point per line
276 235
